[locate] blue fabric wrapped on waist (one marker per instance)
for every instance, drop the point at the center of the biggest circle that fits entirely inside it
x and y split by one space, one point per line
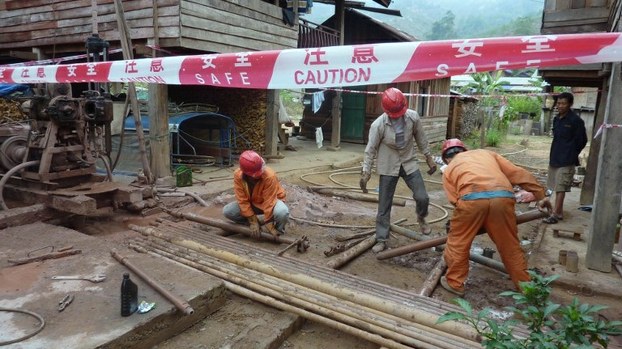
488 195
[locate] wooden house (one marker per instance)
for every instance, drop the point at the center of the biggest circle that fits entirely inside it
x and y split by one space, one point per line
32 30
361 105
569 17
604 160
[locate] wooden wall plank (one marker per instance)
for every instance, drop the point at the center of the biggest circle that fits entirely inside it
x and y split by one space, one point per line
576 14
245 20
249 25
202 28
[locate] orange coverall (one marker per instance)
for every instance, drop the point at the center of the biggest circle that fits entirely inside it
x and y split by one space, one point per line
265 193
481 172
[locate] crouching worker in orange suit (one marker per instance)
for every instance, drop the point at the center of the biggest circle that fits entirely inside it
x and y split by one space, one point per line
257 191
479 184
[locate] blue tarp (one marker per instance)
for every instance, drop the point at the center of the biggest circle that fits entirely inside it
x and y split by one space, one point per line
173 121
8 89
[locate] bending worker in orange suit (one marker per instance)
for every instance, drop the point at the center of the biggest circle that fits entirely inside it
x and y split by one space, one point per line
257 191
479 184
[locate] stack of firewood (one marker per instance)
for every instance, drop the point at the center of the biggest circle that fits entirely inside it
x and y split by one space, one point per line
248 110
10 111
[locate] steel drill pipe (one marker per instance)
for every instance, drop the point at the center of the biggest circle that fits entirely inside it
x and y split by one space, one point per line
232 227
352 253
344 311
295 266
430 283
355 196
417 246
248 278
181 304
303 278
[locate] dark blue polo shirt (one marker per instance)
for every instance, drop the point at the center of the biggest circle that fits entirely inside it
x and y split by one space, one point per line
569 138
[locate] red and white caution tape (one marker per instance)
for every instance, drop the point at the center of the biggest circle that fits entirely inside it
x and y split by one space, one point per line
339 66
54 60
603 126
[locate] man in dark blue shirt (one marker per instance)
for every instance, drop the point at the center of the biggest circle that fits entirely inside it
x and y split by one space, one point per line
569 138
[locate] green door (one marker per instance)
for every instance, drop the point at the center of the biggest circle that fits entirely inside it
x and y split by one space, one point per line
353 115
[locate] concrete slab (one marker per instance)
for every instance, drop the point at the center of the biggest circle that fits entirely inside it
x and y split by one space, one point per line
240 324
572 235
93 319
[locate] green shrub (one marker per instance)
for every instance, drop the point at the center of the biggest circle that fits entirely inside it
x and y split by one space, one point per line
493 137
523 104
551 326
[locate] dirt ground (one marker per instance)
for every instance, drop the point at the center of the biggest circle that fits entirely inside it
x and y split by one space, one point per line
323 217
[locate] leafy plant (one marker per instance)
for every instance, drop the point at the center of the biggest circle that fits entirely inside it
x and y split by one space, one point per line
551 325
522 104
493 137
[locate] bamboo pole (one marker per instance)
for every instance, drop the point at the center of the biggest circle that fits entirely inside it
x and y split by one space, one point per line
430 283
355 314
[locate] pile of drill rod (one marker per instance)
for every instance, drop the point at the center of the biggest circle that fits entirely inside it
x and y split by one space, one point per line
384 315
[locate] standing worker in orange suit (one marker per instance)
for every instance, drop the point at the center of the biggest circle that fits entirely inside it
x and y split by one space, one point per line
392 138
479 184
257 191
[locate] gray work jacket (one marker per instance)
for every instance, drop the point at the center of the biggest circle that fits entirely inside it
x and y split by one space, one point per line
381 145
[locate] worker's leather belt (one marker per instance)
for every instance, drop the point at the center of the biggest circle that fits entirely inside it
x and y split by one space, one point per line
487 195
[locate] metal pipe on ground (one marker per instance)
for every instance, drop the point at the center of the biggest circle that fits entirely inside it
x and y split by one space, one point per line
181 304
374 338
354 195
341 238
352 253
294 265
408 233
354 314
520 218
435 275
232 227
304 279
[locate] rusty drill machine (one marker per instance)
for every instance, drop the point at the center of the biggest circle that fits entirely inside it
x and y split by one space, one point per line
55 153
67 135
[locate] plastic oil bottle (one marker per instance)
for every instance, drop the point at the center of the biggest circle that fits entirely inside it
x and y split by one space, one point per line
129 296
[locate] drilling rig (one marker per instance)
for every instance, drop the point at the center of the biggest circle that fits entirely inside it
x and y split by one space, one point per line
51 157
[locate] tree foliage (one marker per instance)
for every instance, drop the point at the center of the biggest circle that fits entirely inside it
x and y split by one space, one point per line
443 28
551 325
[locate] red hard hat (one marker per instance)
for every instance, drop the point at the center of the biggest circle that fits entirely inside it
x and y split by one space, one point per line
394 103
251 163
452 143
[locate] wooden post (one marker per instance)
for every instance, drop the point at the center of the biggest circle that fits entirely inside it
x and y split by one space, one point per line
158 131
335 137
158 116
589 181
126 45
606 209
272 123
